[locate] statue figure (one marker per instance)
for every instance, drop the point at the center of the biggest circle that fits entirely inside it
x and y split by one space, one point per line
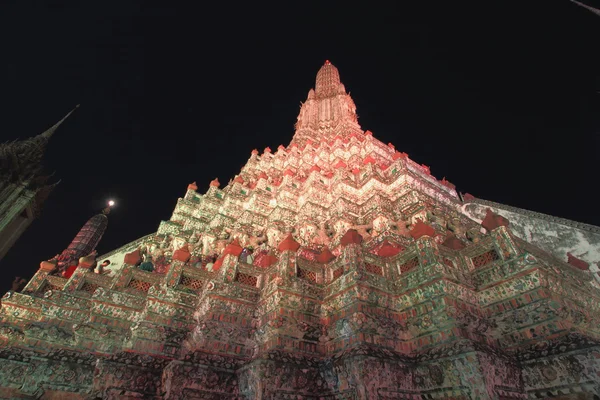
363 230
256 241
147 264
323 235
403 227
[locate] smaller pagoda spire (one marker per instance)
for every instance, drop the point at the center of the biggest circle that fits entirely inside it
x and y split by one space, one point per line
50 131
86 240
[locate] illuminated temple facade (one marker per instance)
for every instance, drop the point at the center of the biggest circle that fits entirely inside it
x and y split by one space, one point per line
332 268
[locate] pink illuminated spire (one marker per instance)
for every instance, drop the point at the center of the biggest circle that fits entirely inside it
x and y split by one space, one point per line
86 240
328 111
328 81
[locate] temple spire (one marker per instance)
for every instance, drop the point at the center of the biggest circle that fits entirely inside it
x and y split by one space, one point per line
328 81
86 240
21 159
589 8
328 110
50 131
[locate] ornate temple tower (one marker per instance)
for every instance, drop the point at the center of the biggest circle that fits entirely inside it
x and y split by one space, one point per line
23 186
328 110
332 268
82 246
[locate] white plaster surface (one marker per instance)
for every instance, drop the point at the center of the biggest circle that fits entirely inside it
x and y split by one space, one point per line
555 235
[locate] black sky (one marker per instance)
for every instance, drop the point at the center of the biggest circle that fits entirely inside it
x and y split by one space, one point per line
502 98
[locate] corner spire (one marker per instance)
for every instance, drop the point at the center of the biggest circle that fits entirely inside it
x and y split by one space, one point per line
85 241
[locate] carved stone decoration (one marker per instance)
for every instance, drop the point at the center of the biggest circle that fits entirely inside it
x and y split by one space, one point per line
335 268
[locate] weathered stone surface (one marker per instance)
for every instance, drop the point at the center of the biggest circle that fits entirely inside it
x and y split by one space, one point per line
324 270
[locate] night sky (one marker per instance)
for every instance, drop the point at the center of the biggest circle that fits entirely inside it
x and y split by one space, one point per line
501 98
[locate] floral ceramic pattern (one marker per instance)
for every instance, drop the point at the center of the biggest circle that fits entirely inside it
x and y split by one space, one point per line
335 268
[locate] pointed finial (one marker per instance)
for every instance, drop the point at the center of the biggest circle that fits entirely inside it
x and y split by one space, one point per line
110 205
48 133
328 81
589 8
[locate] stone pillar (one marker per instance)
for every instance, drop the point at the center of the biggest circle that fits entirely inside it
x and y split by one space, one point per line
174 273
178 261
83 268
287 267
467 369
122 277
351 251
253 381
227 264
130 262
504 242
427 248
497 226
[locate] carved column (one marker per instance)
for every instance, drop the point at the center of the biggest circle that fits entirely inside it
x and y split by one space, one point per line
76 279
427 248
504 242
288 261
351 251
123 275
174 274
227 264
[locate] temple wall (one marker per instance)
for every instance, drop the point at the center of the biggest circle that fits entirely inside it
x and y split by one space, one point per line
555 235
27 375
564 375
344 271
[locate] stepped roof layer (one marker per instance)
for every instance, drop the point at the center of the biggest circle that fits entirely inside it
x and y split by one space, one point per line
333 176
332 268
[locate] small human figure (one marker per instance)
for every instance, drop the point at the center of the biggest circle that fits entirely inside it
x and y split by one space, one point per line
250 257
196 261
244 255
101 267
147 265
211 262
18 284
